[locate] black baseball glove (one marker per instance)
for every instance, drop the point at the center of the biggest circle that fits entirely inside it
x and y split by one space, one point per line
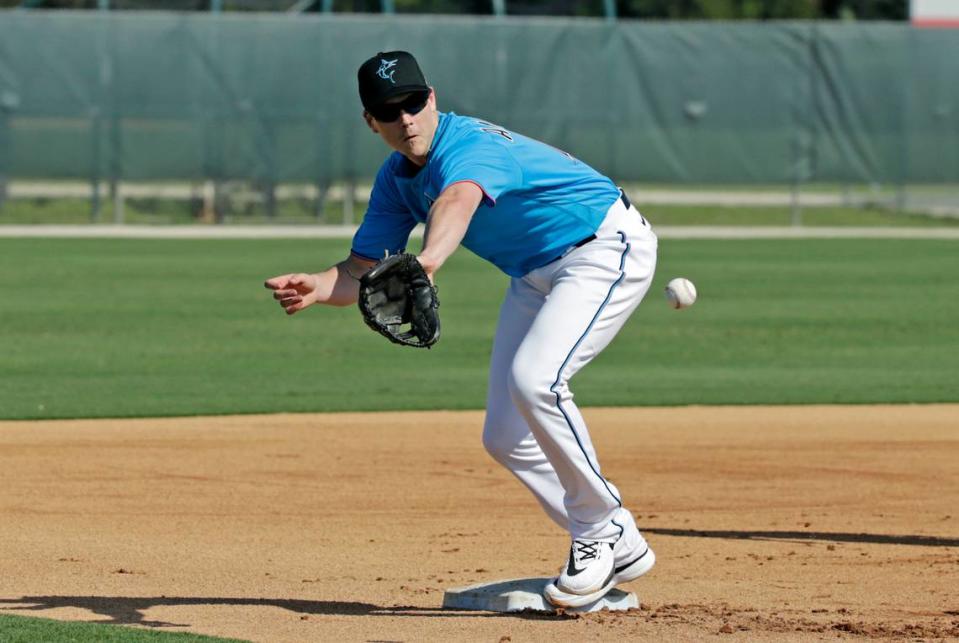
397 292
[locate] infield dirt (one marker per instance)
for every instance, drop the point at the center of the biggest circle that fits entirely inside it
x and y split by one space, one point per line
769 523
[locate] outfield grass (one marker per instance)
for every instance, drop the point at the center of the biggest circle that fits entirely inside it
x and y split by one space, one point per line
20 629
685 215
139 211
156 211
98 328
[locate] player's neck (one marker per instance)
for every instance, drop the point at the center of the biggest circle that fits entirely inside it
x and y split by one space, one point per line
410 168
416 163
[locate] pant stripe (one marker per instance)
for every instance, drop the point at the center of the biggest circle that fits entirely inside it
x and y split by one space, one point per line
569 356
621 529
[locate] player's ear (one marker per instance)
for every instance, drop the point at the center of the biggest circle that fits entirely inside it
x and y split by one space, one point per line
370 122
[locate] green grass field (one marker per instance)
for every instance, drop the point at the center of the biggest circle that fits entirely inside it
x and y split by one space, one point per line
141 211
100 328
20 629
683 215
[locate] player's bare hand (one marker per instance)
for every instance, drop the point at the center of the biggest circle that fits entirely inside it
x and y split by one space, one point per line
429 267
294 291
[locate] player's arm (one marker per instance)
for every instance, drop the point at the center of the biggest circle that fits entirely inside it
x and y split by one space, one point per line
339 285
447 222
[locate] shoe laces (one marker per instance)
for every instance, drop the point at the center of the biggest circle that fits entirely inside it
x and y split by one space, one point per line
584 550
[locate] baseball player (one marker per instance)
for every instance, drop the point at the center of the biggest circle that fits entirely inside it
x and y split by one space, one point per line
581 259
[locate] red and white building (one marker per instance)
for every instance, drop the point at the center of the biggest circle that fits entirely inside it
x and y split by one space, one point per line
934 13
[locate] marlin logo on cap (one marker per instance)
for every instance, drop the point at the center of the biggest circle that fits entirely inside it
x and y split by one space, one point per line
387 69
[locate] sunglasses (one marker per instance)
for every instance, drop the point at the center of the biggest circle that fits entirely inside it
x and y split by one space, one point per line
389 112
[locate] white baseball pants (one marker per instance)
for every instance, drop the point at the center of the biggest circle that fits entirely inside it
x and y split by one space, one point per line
553 321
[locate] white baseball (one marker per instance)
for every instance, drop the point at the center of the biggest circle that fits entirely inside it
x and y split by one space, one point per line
680 292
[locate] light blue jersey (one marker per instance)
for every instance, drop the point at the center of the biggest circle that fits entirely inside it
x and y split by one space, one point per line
538 201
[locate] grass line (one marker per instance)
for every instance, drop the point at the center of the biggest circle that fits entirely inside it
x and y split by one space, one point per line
75 211
23 629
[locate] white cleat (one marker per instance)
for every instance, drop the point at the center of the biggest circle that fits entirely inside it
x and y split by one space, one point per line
596 567
590 567
630 570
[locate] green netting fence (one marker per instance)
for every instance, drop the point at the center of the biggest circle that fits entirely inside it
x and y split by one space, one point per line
270 99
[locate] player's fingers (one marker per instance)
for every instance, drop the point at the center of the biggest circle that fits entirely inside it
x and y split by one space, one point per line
283 294
277 282
301 282
286 302
293 308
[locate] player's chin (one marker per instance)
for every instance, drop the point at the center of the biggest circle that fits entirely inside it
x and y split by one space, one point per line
413 144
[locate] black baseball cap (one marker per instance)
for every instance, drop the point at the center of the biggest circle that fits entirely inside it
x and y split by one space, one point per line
388 74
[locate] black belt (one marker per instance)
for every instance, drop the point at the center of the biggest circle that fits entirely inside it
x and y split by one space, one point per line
625 200
583 242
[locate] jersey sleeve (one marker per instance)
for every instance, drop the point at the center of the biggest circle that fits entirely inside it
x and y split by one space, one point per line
387 223
483 157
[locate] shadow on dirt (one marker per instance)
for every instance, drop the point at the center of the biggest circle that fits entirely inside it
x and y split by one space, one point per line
874 539
121 610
